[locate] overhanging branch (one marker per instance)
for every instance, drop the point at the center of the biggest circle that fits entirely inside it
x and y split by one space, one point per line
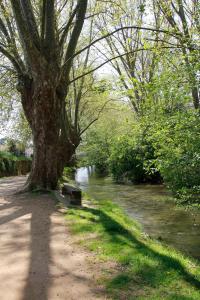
66 28
96 119
123 28
49 37
30 20
118 56
80 16
12 60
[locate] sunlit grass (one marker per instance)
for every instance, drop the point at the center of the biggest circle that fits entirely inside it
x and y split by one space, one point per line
146 269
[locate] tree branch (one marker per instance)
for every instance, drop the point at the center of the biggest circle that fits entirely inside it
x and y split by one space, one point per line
29 47
4 30
122 28
42 20
96 119
31 22
80 16
10 36
12 60
49 37
66 29
118 56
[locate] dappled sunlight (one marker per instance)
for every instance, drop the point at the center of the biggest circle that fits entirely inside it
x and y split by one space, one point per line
37 258
152 207
103 95
11 184
144 262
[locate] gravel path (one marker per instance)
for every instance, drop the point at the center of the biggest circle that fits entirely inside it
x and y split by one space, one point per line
38 257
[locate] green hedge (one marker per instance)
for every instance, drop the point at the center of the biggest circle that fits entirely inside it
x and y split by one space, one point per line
11 165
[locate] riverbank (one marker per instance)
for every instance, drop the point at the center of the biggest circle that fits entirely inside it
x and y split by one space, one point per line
137 267
151 206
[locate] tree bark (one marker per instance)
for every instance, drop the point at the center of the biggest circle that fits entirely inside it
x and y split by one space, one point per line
195 96
52 148
42 59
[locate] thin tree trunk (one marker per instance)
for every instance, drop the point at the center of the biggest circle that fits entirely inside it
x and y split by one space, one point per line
195 96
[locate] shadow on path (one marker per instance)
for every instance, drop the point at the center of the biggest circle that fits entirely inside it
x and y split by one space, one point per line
29 219
38 279
35 260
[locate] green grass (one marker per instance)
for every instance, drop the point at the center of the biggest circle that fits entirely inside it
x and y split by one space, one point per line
146 269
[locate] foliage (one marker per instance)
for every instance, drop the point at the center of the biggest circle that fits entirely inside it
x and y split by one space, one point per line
155 60
12 148
131 159
143 268
11 164
118 145
98 151
68 175
163 146
163 139
98 140
21 130
177 143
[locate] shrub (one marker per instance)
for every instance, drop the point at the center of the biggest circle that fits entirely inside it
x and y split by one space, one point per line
11 165
177 144
131 159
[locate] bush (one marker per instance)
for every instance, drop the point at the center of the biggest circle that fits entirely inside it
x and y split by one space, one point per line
131 159
177 144
11 165
68 174
98 151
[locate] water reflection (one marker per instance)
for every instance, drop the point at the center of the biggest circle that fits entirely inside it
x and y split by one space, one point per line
150 205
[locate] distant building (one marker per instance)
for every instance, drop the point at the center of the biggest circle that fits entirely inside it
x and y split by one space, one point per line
29 151
4 146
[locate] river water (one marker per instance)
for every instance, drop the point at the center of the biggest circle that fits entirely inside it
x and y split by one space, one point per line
149 205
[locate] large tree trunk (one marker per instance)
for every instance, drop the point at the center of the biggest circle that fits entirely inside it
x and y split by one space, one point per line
52 149
42 57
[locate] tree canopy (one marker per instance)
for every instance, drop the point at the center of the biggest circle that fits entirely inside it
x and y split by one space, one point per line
55 52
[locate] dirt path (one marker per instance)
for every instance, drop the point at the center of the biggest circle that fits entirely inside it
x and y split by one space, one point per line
38 259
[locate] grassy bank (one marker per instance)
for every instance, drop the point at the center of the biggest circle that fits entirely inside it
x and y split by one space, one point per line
144 269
